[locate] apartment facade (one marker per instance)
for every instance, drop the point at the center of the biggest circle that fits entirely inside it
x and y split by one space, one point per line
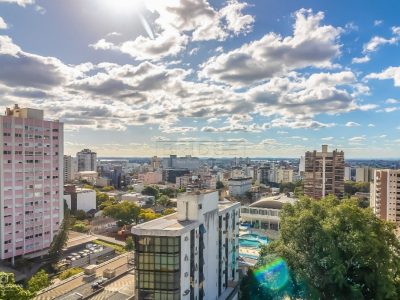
239 186
31 182
324 173
191 254
87 160
70 168
364 174
385 195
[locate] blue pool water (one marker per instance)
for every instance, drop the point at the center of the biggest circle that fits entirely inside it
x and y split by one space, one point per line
252 240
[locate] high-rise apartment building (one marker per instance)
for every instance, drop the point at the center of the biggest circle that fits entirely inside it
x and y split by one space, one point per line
87 160
364 174
324 173
385 195
31 182
192 254
70 168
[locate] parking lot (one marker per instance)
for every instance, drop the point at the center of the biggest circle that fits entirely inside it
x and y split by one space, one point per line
78 285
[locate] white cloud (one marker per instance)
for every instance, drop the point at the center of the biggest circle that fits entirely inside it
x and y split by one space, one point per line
392 101
177 23
236 21
357 139
40 9
296 137
389 73
102 44
388 109
352 124
299 123
311 44
212 120
378 22
22 3
194 51
3 24
371 125
360 60
396 30
328 138
378 41
301 96
383 136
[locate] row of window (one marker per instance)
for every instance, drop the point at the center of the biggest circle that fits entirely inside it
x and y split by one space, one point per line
158 280
158 262
158 244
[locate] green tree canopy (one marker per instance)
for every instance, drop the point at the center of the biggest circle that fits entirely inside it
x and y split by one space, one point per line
125 212
80 214
151 190
351 187
170 192
339 250
38 281
164 200
60 239
129 243
148 215
10 290
168 211
100 198
108 188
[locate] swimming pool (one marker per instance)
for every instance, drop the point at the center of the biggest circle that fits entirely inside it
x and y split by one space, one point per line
252 240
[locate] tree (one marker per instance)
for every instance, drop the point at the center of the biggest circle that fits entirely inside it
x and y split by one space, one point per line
164 201
88 186
80 227
125 212
129 243
339 250
108 188
220 185
169 192
100 198
60 239
168 211
38 281
10 290
69 273
351 187
104 204
151 191
80 215
148 215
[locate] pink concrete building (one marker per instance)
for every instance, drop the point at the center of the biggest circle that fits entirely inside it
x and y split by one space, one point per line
31 182
150 178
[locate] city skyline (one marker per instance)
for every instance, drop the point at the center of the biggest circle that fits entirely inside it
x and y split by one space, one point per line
274 80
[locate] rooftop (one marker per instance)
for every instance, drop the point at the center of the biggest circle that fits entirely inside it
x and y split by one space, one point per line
274 202
240 179
170 226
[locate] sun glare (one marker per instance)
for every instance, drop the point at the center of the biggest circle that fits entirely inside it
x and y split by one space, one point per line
121 6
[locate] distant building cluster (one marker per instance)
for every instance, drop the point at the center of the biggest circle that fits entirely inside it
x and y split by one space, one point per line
193 253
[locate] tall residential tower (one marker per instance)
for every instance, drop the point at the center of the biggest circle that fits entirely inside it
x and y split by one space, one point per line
385 195
31 182
87 160
191 254
324 173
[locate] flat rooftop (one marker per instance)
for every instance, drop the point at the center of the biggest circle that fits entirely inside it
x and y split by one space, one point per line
170 226
165 226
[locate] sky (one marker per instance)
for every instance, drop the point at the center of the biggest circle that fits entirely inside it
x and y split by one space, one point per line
208 78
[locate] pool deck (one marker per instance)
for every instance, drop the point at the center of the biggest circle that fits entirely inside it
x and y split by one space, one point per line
251 252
